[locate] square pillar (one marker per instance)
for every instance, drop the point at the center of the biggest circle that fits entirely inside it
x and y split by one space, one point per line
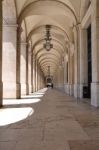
23 69
1 84
76 63
60 80
29 71
71 69
10 86
34 76
95 54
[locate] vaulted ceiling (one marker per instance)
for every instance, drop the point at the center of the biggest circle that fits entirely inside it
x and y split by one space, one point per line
61 15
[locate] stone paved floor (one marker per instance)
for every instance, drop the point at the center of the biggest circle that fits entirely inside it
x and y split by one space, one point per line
50 121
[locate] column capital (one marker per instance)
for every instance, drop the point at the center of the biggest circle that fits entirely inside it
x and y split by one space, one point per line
77 26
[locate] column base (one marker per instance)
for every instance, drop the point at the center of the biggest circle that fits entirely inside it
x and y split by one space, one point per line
18 92
71 87
30 89
23 89
95 94
11 90
81 90
33 88
61 88
27 89
67 89
76 90
1 94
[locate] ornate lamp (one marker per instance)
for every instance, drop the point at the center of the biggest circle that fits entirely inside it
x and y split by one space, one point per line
47 45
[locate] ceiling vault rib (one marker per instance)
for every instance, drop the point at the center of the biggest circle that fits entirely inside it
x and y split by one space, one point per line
21 16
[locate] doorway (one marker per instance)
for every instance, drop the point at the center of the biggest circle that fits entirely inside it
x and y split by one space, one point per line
89 60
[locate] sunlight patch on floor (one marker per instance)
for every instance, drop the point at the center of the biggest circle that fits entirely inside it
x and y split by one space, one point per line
27 99
20 101
32 96
13 115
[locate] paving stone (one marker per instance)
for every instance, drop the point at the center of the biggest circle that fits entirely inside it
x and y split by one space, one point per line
84 145
57 123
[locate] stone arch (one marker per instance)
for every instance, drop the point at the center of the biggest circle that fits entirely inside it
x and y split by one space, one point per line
64 6
84 7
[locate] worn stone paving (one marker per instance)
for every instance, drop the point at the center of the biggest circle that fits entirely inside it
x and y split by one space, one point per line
49 121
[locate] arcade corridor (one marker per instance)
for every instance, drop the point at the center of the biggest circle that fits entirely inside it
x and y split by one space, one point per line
53 44
51 121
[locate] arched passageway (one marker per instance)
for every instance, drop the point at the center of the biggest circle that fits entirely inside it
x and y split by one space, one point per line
36 35
53 43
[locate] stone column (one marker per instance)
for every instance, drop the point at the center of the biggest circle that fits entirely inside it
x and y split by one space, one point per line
29 71
71 71
65 73
38 78
34 75
1 84
10 61
23 69
72 76
60 77
95 54
42 80
76 63
83 60
69 75
55 79
18 61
